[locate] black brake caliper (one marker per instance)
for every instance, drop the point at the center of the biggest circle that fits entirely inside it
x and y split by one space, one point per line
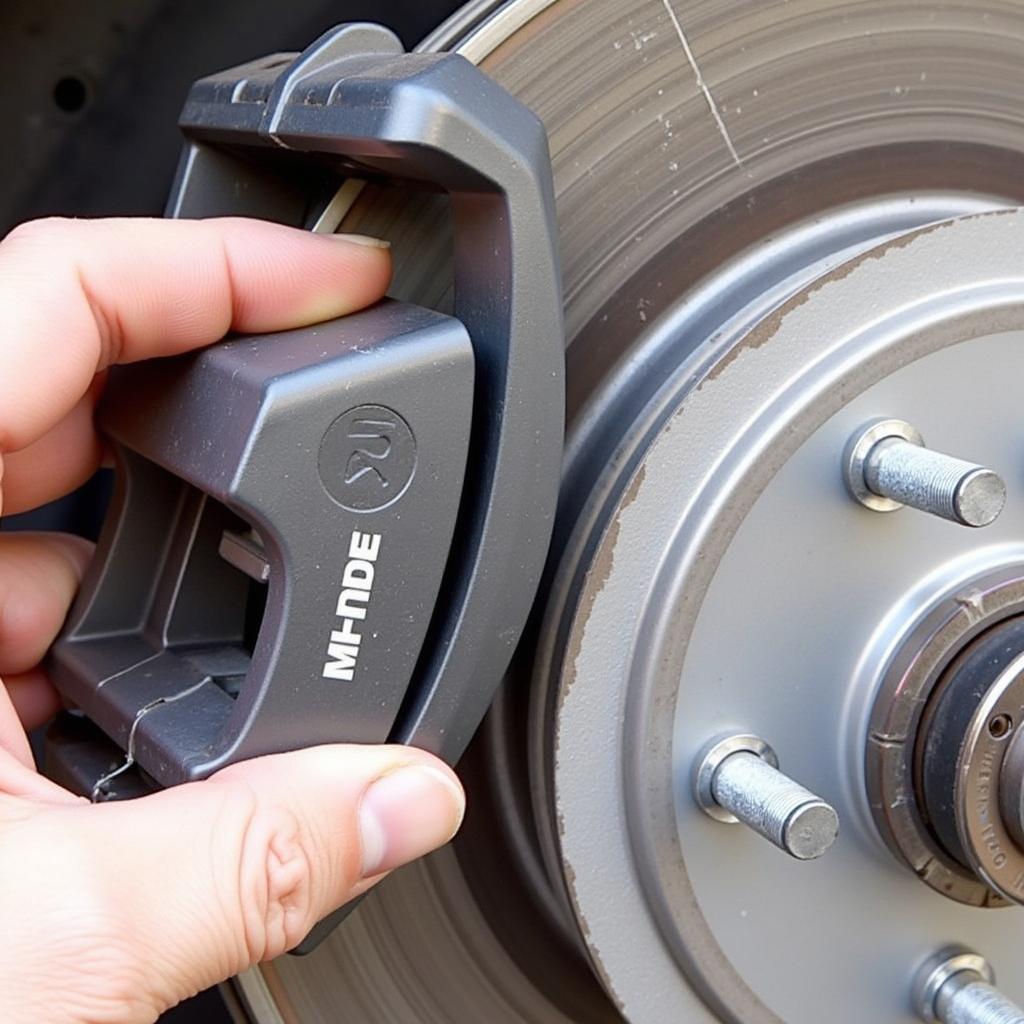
334 533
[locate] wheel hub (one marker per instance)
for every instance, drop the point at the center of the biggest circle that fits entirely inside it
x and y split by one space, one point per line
944 792
736 554
904 715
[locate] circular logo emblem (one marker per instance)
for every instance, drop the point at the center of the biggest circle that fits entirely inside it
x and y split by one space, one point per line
367 458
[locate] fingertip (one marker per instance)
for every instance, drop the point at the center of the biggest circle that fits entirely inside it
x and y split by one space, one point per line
34 698
406 814
78 296
284 277
396 802
358 274
441 770
74 552
39 575
77 550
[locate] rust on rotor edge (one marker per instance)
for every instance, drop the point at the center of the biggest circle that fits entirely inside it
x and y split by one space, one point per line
767 328
597 576
596 579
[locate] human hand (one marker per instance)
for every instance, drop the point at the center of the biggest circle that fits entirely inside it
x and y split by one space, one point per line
114 912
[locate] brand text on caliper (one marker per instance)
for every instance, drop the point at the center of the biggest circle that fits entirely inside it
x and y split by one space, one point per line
356 588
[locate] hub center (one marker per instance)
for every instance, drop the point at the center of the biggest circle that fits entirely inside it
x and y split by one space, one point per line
945 792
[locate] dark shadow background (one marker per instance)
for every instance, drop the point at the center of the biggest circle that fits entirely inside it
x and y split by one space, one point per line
89 102
91 91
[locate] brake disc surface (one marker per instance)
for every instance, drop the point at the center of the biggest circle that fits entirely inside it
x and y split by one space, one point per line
767 594
706 155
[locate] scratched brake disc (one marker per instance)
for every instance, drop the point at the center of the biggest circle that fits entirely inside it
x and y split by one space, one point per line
712 161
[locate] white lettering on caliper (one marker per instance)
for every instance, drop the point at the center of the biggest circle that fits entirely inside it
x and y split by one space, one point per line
356 588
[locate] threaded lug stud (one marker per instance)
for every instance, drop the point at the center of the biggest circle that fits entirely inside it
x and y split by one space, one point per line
887 466
737 780
957 986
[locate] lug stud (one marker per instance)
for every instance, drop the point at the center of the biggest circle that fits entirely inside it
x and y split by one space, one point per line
737 780
956 986
887 466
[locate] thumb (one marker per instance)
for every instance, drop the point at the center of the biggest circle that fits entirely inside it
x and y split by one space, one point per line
209 878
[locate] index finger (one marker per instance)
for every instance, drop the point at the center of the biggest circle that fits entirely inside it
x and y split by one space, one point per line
79 295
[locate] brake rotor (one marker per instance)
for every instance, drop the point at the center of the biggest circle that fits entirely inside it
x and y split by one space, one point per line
716 165
738 588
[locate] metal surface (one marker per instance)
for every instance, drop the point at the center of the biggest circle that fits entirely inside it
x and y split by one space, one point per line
946 487
737 780
968 999
245 551
948 617
481 26
888 466
956 986
857 452
1012 787
849 122
984 836
938 969
705 528
711 759
965 731
775 807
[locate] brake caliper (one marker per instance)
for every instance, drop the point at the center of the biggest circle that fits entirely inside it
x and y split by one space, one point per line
334 533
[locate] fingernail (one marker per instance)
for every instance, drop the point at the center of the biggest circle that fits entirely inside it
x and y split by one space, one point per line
369 240
406 814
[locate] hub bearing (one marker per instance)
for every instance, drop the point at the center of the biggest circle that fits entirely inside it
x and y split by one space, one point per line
943 790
